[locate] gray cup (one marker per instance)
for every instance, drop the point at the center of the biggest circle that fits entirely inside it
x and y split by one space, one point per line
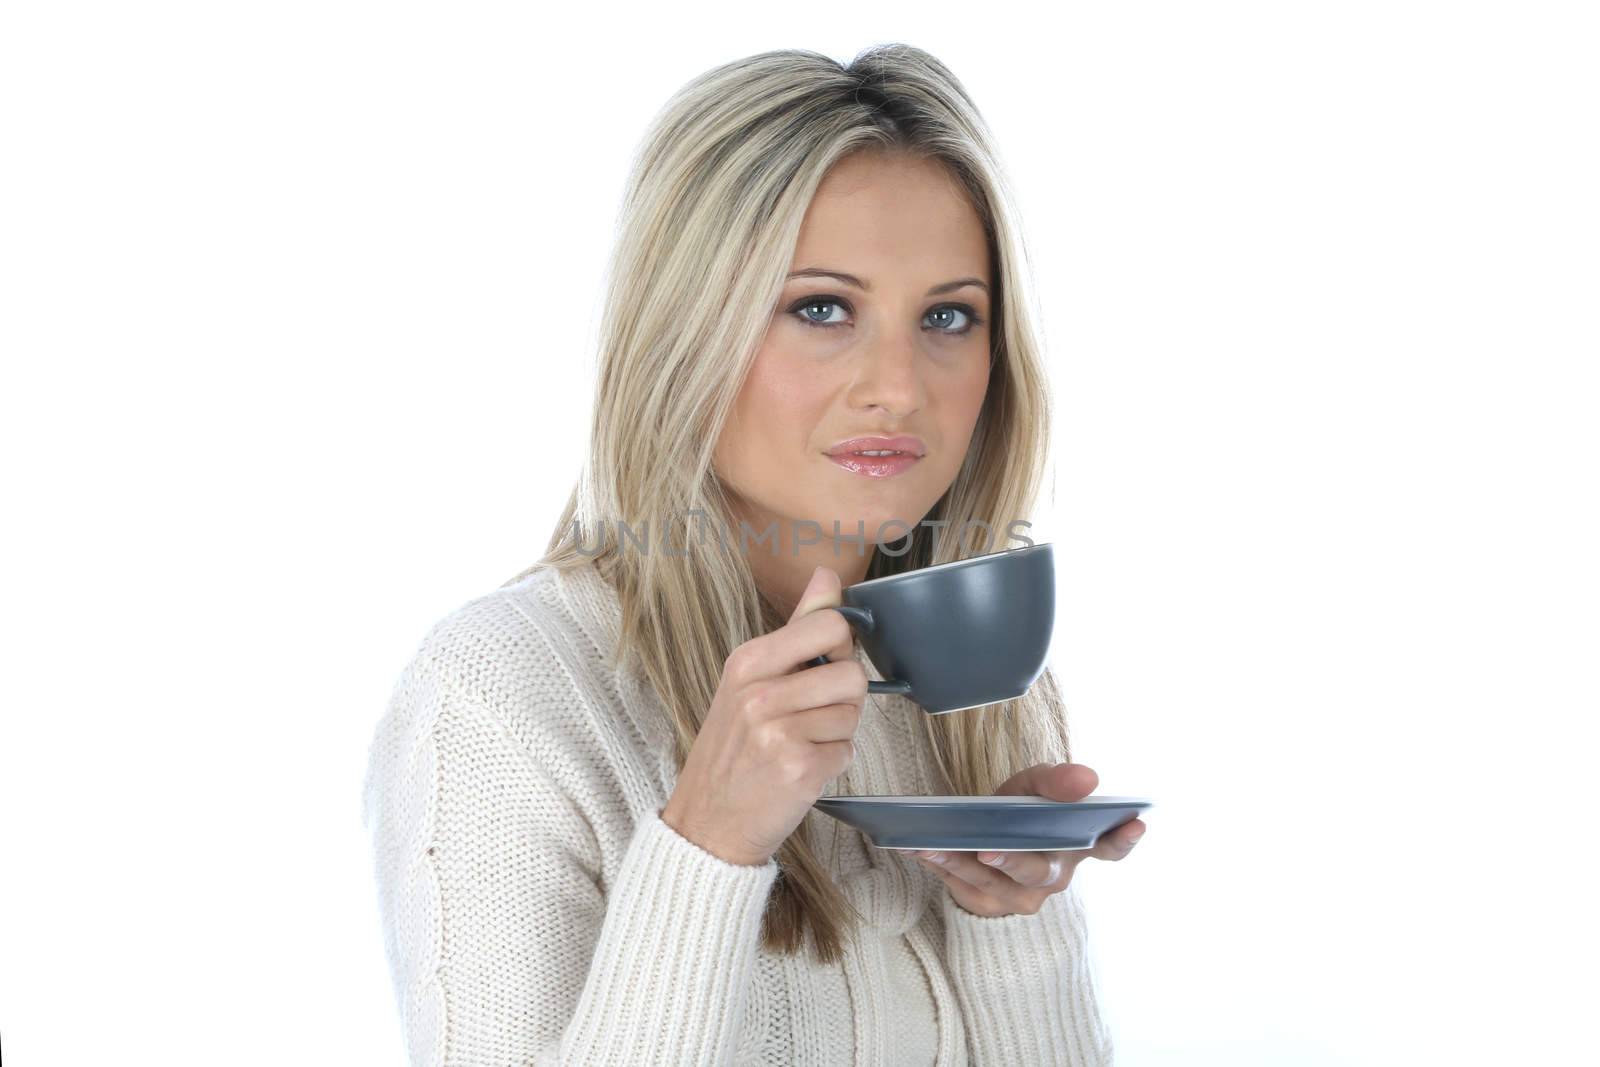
958 635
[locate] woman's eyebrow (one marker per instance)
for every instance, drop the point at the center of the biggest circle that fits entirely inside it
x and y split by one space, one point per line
851 279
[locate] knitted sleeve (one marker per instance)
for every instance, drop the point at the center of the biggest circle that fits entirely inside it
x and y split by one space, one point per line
504 941
1026 984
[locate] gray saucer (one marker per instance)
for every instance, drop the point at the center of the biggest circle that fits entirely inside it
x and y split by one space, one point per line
983 824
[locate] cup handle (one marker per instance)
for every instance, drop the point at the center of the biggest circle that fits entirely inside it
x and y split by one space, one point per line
861 619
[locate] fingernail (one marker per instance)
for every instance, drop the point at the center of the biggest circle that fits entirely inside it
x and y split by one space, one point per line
1133 840
935 857
996 860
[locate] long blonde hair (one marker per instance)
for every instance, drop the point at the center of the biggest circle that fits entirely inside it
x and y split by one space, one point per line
710 218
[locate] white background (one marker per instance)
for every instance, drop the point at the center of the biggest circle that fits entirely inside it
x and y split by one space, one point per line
297 303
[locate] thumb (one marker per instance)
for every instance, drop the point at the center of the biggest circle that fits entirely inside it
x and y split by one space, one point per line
822 591
1069 782
825 591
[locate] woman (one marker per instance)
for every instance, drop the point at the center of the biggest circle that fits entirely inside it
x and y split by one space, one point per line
591 797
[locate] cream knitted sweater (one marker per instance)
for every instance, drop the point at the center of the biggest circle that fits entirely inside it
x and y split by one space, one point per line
536 910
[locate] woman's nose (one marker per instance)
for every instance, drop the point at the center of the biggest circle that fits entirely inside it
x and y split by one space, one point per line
889 376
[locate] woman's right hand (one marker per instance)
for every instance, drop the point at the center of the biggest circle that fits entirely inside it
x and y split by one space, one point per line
776 733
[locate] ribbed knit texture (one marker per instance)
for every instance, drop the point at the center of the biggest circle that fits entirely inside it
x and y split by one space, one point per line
536 910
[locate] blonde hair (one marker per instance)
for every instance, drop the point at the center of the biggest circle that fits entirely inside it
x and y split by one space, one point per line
710 218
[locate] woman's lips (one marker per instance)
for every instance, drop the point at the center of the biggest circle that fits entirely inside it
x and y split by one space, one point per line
875 466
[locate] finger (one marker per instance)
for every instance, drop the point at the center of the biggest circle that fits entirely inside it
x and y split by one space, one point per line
836 722
947 865
971 899
1035 870
966 867
788 649
844 682
1004 898
1069 782
1117 843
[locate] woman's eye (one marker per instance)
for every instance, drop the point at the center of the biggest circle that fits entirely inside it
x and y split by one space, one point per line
804 309
950 319
942 314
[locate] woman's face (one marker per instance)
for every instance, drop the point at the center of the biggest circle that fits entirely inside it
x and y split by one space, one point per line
900 347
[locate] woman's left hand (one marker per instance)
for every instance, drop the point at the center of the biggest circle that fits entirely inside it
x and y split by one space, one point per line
1008 883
